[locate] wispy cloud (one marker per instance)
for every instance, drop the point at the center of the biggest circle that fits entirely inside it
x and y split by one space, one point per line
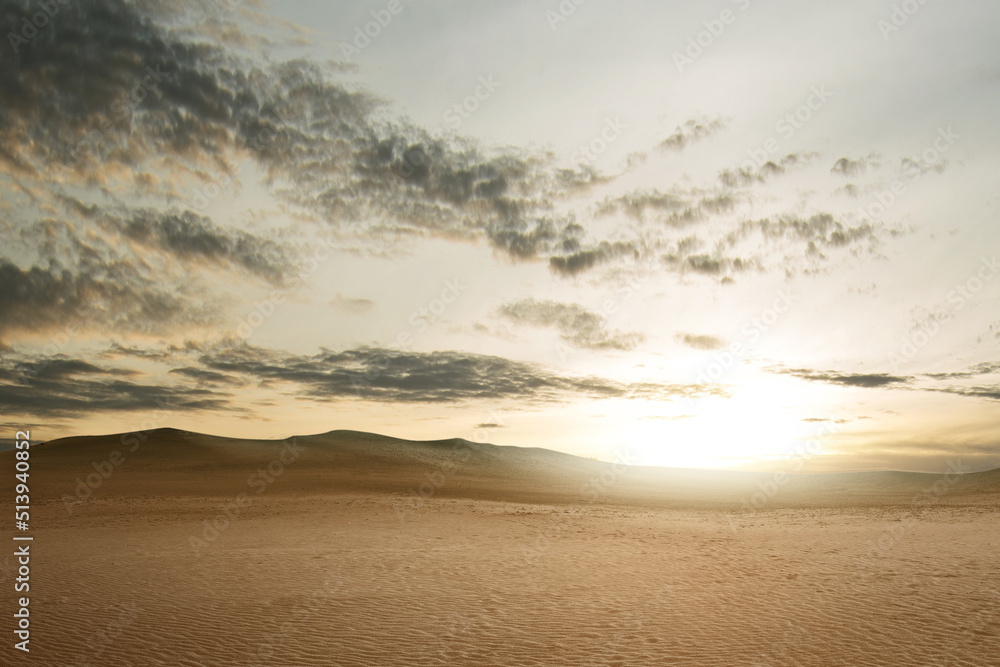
575 324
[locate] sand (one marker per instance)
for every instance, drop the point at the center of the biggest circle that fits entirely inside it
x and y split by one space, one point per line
363 550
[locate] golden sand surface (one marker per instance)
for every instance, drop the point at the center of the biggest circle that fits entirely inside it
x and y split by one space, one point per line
359 550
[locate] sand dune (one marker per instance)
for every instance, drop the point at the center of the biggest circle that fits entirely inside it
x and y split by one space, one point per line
355 549
169 462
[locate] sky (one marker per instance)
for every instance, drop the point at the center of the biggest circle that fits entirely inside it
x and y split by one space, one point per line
737 234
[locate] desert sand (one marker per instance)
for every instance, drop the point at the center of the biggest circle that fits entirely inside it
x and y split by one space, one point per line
169 548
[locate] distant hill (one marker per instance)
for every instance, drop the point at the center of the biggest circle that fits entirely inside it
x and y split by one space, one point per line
169 462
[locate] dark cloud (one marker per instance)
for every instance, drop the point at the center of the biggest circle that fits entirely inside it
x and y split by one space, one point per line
113 86
576 325
584 259
60 386
379 374
880 380
110 296
984 368
701 342
989 392
190 237
490 425
849 379
202 376
105 88
712 265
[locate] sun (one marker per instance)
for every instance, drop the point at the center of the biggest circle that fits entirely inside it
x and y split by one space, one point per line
757 423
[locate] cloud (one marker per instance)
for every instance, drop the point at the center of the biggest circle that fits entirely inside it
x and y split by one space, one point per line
352 306
60 386
490 425
701 342
130 95
203 377
576 325
690 132
386 375
984 368
190 237
849 379
584 259
114 295
847 167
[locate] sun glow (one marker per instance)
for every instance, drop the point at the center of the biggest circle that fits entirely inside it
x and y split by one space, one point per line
754 425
